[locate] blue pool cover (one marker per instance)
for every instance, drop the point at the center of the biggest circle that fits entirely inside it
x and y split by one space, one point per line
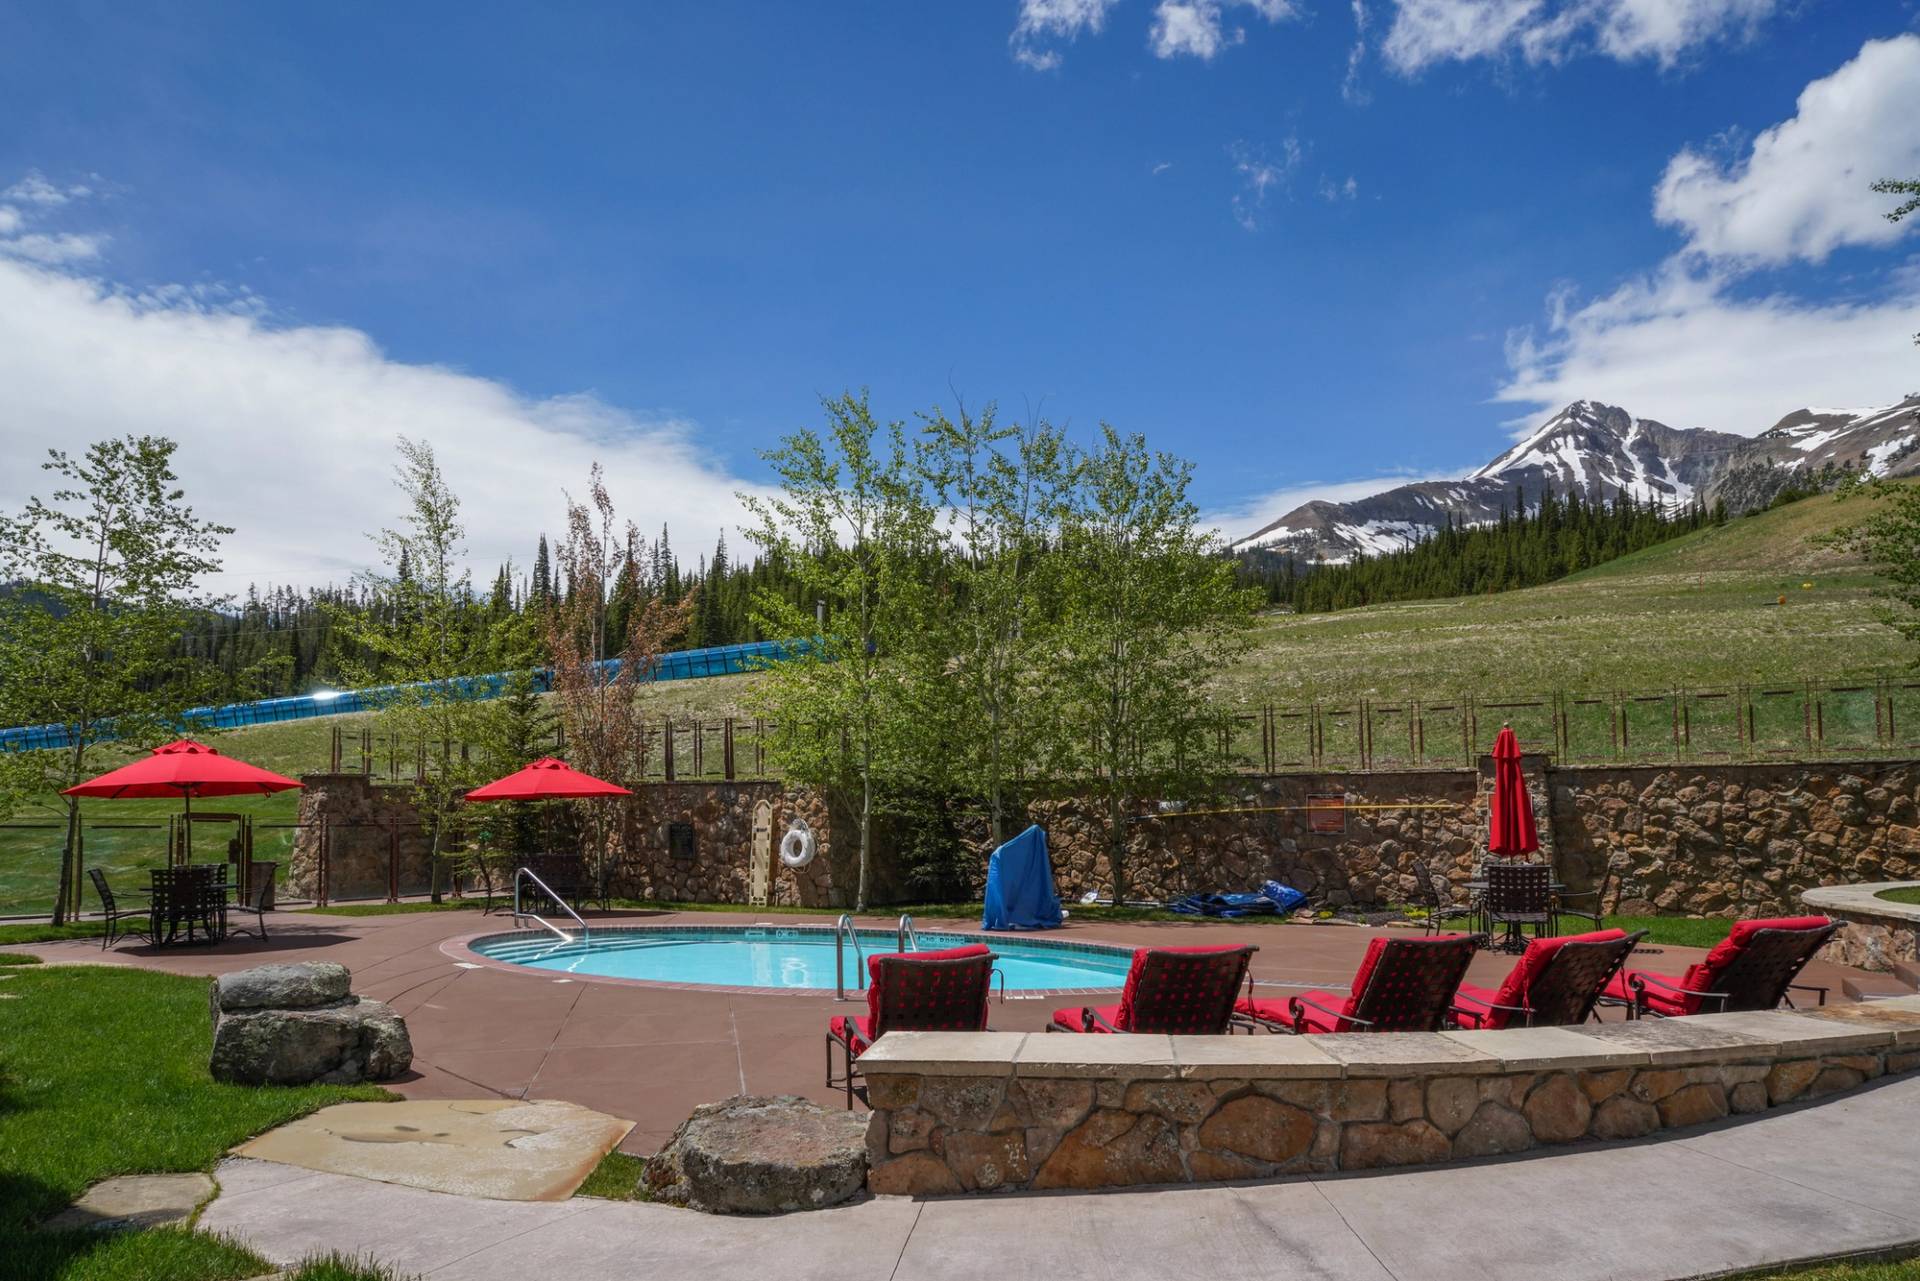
1020 886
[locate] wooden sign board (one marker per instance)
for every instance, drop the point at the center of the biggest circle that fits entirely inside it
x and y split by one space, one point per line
1327 814
761 868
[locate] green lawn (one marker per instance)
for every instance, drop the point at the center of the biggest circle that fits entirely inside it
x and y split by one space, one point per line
1905 894
103 1072
1885 1270
616 1178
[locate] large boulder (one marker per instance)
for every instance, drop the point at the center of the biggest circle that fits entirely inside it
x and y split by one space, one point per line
294 1024
299 986
754 1155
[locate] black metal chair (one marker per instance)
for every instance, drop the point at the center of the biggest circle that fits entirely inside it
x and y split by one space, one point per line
117 915
1435 892
1518 895
255 904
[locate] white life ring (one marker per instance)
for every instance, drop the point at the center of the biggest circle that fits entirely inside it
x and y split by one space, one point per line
797 846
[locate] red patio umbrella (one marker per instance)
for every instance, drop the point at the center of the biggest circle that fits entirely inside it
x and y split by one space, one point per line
547 779
1510 829
185 769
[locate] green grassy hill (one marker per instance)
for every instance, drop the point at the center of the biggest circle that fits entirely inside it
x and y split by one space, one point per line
1699 611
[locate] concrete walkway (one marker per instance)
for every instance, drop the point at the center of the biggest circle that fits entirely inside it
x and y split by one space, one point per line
1830 1178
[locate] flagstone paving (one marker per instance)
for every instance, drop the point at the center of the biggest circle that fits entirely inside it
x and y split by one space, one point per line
1830 1178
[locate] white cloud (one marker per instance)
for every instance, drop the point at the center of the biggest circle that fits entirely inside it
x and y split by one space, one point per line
1198 28
1260 175
1803 189
1239 520
1699 341
1551 31
64 247
1332 192
1162 167
1350 88
287 431
1685 346
34 189
1043 22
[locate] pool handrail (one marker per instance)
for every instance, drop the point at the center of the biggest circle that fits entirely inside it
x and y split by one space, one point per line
905 935
527 873
844 933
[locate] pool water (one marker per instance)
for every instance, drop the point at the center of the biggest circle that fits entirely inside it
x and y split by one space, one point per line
781 958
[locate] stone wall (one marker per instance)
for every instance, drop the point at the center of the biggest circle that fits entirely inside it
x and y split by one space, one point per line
1259 831
1875 933
1710 840
978 1112
721 867
1737 839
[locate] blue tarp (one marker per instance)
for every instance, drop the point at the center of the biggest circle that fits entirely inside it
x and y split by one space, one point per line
1273 899
1020 886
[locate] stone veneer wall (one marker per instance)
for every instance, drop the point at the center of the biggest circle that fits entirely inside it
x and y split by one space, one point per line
1875 933
977 1112
720 871
1713 840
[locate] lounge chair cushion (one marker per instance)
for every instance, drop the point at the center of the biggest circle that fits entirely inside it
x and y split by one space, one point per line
1474 1012
1128 993
855 1031
1532 964
1072 1016
943 954
1279 1010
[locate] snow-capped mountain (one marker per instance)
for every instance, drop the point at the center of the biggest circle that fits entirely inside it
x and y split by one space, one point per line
1603 451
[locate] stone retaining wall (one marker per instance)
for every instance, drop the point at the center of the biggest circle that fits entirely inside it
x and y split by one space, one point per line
977 1112
1708 840
1875 933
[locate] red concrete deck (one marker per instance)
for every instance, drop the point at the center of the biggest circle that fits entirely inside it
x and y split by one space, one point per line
652 1054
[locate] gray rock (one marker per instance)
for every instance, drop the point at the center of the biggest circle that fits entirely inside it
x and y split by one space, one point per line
754 1155
282 987
354 1040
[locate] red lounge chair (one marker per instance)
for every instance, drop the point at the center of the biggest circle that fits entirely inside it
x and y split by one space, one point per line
943 991
1403 985
1556 983
1182 990
1750 969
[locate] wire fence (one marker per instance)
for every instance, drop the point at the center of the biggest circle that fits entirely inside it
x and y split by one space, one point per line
1809 720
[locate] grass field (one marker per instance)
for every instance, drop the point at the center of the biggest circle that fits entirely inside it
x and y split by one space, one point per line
104 1072
1700 612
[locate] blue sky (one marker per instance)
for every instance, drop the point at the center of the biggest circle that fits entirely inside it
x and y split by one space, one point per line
1308 245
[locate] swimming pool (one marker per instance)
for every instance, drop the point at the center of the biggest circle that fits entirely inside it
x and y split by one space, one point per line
787 958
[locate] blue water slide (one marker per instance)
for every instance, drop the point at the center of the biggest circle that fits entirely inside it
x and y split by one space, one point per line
686 664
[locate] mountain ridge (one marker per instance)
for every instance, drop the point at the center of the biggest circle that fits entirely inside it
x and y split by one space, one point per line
1604 451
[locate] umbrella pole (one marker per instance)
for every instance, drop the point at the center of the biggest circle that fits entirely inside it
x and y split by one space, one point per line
186 832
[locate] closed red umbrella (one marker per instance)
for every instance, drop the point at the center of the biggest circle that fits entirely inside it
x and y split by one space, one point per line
185 769
1510 829
546 779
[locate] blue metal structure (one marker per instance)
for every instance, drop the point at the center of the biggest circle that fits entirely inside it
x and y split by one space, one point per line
686 664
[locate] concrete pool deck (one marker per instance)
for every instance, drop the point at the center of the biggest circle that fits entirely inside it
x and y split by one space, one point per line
1832 1178
651 1054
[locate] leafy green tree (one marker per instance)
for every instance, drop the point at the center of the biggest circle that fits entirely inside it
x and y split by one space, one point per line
1888 539
104 575
598 700
1908 187
429 635
1003 489
853 710
1149 613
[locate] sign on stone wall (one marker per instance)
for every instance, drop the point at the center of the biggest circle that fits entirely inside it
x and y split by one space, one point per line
760 876
1327 814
